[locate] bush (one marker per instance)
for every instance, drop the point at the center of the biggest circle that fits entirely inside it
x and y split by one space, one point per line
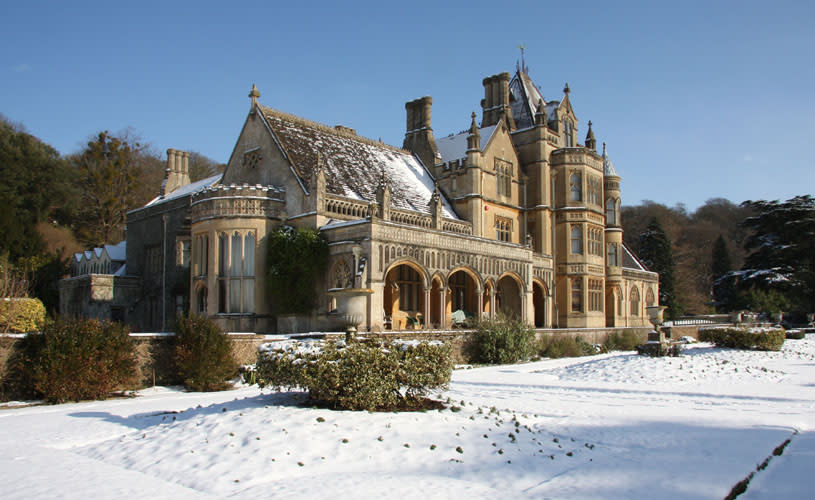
203 354
565 346
762 339
502 340
76 360
360 375
659 349
628 340
21 315
795 334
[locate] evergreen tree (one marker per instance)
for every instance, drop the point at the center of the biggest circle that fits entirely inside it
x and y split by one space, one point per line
656 253
721 259
782 246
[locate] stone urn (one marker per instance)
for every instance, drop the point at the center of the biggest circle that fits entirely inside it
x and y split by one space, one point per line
656 316
352 307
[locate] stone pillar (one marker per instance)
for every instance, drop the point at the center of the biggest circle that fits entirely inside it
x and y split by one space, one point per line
426 302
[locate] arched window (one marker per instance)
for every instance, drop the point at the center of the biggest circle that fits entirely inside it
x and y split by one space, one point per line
568 133
575 188
577 239
649 298
611 212
634 301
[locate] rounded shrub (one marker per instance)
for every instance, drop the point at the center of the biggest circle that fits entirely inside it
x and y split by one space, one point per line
359 375
627 340
502 340
203 354
565 346
21 315
76 360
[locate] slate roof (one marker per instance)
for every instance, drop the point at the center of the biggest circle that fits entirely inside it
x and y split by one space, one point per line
353 164
631 262
454 147
185 190
608 166
524 98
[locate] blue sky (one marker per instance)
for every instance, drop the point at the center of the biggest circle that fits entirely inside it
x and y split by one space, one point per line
696 100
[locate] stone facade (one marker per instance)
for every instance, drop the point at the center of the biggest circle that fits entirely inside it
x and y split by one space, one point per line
510 216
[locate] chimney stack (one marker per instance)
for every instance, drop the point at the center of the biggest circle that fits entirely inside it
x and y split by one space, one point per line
496 101
177 173
419 133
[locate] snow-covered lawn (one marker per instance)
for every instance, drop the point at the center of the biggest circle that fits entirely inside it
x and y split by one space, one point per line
613 426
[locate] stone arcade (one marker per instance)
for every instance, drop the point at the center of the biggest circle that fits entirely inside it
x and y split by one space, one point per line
512 215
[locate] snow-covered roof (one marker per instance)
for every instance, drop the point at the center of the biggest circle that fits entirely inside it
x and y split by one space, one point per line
454 147
524 100
353 165
186 190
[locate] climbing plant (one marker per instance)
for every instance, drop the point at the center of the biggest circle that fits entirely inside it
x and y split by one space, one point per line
296 260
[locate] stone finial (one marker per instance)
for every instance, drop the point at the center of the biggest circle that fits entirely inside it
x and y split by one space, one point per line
254 94
591 142
474 139
540 114
566 89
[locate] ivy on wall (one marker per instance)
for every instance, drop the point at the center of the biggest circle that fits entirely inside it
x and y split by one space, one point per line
296 260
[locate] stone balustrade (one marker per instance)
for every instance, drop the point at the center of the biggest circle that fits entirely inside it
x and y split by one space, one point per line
238 201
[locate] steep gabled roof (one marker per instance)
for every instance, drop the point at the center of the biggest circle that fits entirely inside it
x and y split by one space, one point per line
630 261
353 165
524 100
454 147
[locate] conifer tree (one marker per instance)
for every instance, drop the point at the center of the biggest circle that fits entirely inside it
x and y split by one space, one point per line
656 253
721 259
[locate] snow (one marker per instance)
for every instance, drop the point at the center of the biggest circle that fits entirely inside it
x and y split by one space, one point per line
454 147
605 427
186 190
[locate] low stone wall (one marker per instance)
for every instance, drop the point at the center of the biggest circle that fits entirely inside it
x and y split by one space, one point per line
155 354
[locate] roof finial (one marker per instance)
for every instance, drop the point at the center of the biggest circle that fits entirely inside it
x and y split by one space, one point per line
523 63
604 148
566 89
591 142
254 94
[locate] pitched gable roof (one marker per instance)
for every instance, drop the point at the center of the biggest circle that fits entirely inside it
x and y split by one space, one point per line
454 147
353 165
525 98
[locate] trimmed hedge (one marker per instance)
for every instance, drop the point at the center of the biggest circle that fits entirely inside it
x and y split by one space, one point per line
360 375
761 339
21 315
76 360
503 341
565 346
203 354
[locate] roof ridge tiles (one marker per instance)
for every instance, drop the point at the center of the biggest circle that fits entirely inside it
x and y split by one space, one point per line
328 129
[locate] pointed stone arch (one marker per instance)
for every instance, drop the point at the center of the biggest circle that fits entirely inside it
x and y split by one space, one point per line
540 301
510 295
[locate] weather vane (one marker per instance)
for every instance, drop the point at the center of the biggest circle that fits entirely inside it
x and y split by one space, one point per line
523 63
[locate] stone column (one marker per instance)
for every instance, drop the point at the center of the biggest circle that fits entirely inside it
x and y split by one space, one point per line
426 302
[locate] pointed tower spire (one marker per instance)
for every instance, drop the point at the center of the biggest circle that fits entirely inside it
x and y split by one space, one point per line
591 142
474 139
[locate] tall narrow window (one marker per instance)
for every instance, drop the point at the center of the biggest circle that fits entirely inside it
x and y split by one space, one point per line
503 175
596 241
248 285
577 239
613 260
577 294
575 188
223 266
595 295
649 298
611 212
503 229
409 283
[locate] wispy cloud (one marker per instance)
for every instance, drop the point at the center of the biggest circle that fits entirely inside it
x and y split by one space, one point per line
22 68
